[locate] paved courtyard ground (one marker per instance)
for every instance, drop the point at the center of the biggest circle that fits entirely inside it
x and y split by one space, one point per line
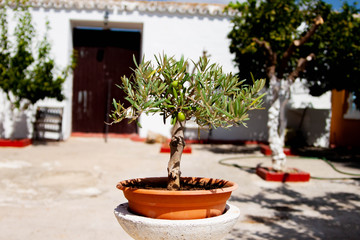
66 190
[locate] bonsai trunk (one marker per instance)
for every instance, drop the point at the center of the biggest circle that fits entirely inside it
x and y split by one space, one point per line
177 145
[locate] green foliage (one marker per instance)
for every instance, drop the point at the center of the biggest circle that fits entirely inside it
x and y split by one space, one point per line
337 64
207 94
274 21
335 44
25 76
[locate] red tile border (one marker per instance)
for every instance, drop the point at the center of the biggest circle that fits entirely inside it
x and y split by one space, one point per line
165 148
265 149
133 137
295 175
137 138
111 135
15 143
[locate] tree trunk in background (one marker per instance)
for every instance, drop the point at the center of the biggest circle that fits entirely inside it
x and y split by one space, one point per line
16 123
279 96
177 145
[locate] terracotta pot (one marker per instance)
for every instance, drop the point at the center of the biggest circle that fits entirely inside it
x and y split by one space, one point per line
180 205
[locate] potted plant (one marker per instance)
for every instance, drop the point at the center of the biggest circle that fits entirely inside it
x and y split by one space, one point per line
205 95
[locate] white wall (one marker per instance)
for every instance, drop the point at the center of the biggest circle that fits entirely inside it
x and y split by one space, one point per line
165 30
307 115
174 31
315 113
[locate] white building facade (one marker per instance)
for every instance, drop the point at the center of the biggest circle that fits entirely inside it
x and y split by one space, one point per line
176 29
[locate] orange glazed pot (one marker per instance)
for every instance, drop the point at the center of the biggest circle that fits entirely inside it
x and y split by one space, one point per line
177 205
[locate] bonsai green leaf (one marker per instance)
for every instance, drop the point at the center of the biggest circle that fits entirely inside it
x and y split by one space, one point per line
134 59
256 101
227 114
205 94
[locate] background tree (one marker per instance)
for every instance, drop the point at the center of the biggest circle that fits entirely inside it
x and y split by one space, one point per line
337 62
281 40
27 72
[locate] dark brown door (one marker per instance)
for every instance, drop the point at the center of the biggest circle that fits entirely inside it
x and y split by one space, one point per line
103 57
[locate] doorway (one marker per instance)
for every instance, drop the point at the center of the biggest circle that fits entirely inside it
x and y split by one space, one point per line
103 57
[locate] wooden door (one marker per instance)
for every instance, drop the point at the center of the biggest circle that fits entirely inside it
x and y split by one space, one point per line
103 57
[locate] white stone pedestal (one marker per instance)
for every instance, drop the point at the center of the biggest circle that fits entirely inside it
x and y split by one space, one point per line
143 228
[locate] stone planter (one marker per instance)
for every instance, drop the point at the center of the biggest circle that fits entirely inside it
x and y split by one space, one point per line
144 228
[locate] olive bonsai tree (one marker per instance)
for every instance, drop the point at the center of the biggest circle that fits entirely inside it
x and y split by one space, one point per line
206 95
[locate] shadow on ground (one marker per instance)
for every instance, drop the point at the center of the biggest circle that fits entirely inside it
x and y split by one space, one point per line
44 142
345 156
348 157
295 216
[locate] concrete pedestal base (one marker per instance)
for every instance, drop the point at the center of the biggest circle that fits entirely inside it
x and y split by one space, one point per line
143 228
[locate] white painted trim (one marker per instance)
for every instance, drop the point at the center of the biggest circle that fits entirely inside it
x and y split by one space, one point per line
141 6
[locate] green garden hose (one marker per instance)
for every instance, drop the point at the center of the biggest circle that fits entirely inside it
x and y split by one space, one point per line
356 176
